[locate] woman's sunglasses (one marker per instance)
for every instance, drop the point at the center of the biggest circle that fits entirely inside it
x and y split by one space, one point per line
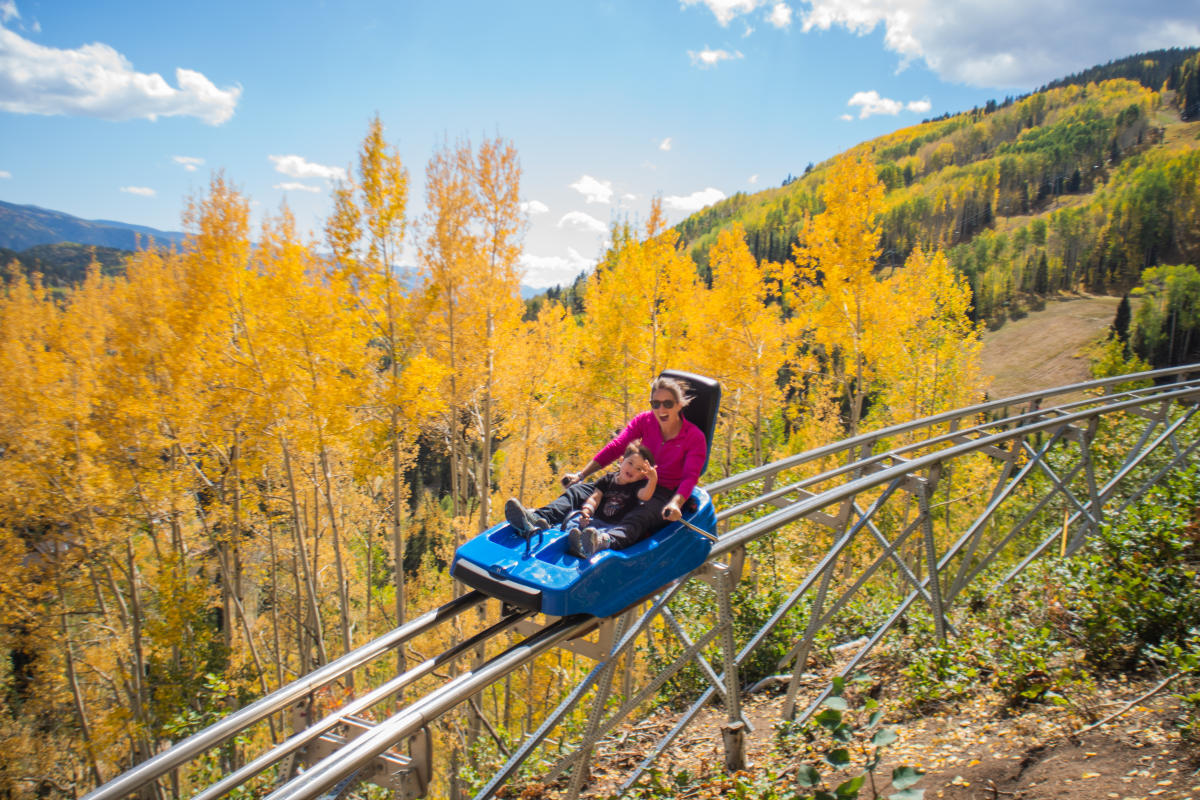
667 404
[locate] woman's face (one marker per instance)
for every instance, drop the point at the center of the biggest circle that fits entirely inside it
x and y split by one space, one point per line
667 412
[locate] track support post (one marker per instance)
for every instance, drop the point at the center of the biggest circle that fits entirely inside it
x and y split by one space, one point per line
581 771
733 732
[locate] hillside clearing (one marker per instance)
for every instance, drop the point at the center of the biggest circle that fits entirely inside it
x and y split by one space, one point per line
1046 348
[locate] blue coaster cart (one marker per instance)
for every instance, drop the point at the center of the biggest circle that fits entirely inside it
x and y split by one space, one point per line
542 576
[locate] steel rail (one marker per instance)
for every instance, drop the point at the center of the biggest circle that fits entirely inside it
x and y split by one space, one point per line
360 751
742 535
380 693
891 477
180 753
991 434
864 471
872 460
725 485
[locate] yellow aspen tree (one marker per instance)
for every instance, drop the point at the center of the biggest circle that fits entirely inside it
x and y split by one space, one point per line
635 315
495 295
842 308
542 395
934 363
738 336
447 253
366 235
42 511
472 290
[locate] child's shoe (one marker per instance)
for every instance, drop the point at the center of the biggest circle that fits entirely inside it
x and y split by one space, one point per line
524 522
587 542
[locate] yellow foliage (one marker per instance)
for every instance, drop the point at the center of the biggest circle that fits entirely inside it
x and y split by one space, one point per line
231 431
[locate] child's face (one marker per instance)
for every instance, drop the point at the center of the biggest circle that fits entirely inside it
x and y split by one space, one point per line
631 469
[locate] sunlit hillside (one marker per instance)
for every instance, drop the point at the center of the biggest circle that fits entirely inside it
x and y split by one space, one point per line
1079 186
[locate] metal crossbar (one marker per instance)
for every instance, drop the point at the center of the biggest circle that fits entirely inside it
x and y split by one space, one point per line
878 510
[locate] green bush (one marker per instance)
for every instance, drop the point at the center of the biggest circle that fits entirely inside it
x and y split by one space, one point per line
1135 587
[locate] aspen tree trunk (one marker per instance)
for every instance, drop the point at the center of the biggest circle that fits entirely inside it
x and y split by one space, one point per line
456 454
485 459
529 699
758 436
398 539
625 399
524 456
279 656
313 623
370 576
140 699
729 447
302 634
236 582
343 599
72 678
258 667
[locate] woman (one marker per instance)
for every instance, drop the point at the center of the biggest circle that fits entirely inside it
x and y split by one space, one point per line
679 451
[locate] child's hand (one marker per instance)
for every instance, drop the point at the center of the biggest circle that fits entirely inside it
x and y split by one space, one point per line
649 471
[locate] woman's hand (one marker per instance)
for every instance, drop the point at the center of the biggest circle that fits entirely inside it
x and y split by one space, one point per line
671 512
570 479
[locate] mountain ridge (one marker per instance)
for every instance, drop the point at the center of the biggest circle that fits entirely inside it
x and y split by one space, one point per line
26 226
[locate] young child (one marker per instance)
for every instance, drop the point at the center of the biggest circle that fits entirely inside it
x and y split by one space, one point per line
615 495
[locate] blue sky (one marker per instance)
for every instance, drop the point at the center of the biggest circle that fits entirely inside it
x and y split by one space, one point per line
123 110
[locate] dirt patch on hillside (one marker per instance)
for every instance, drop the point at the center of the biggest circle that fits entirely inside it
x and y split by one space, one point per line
1035 756
976 750
1047 348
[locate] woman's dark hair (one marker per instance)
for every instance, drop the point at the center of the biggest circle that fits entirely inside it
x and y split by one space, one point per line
673 386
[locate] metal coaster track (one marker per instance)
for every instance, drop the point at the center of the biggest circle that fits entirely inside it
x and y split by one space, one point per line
1044 455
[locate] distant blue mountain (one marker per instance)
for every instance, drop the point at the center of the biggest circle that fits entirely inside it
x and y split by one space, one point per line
22 227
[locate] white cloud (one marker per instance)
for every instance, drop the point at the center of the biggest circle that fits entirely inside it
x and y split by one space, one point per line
8 11
753 179
726 10
707 58
96 81
780 16
545 271
694 201
871 103
534 207
846 117
299 167
142 191
190 163
596 191
5 174
1015 44
578 219
294 186
665 144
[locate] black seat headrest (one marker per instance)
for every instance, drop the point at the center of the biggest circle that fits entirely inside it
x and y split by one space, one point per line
706 401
